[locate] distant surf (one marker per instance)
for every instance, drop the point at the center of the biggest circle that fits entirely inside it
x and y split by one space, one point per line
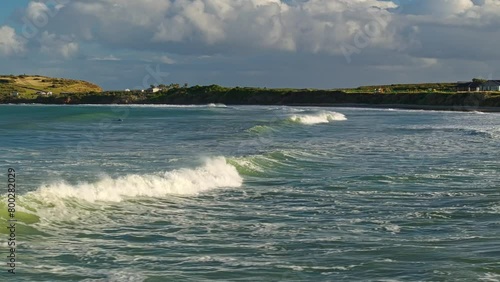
317 118
216 105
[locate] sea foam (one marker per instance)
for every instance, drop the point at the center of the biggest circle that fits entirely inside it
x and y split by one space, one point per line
216 105
317 118
215 173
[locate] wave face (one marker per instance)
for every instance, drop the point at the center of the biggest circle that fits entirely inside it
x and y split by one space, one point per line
317 118
215 173
260 129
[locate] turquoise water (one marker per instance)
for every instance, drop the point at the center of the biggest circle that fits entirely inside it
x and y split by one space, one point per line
208 193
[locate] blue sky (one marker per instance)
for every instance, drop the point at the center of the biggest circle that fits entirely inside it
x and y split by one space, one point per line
301 43
6 10
9 7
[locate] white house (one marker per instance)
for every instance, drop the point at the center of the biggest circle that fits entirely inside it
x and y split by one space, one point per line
153 90
42 93
14 94
127 90
491 85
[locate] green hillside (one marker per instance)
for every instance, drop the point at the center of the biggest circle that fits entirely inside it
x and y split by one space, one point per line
407 88
28 85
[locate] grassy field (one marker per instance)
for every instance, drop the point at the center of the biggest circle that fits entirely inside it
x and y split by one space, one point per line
28 85
443 87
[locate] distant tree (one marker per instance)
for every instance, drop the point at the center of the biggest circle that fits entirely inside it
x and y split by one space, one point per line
152 86
185 85
479 80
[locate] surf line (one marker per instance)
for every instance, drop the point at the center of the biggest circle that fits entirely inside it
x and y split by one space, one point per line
11 222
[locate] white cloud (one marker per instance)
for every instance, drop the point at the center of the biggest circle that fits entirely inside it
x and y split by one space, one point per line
206 27
313 26
167 60
54 45
110 58
238 26
38 13
10 42
466 13
409 63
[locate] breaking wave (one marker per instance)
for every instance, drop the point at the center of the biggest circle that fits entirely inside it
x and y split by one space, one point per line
317 118
215 173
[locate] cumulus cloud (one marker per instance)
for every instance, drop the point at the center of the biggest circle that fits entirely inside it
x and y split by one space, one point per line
452 29
38 13
219 26
54 45
206 27
466 13
267 41
313 26
10 42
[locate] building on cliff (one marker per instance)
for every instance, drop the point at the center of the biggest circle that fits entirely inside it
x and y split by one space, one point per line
491 85
152 90
468 86
477 86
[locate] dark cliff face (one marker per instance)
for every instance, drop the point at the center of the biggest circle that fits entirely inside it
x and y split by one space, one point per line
252 96
270 97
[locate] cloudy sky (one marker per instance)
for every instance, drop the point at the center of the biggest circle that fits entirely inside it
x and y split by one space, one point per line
295 43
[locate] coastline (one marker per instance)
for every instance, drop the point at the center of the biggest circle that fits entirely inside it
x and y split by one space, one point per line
407 107
204 95
340 105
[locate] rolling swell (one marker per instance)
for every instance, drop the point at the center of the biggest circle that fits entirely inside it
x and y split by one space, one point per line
260 129
273 164
483 132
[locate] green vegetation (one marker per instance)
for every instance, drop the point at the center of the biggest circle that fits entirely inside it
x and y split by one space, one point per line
479 80
442 95
406 88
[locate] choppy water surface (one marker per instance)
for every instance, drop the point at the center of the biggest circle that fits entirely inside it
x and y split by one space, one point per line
204 193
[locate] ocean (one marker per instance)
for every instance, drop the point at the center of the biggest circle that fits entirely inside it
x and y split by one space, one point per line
250 193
